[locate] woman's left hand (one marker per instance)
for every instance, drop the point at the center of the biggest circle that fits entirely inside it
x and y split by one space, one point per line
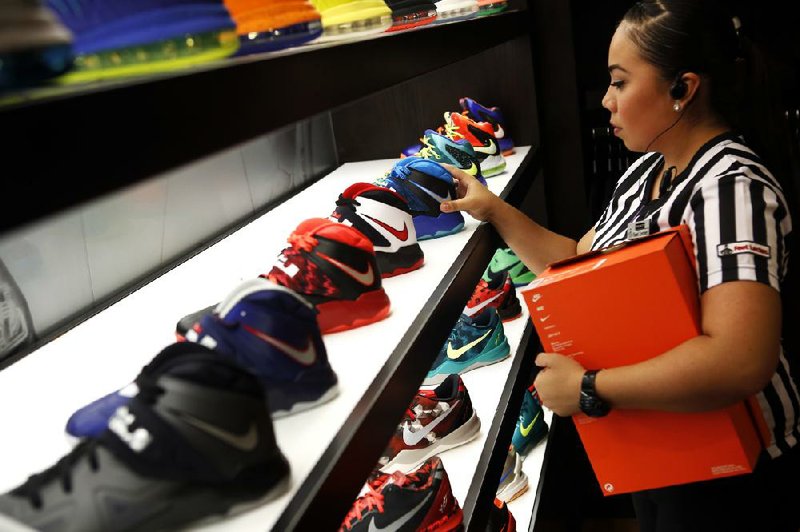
559 383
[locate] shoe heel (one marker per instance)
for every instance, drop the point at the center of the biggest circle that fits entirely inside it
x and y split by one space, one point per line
335 316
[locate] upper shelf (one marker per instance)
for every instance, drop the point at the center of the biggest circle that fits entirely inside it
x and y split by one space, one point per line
73 144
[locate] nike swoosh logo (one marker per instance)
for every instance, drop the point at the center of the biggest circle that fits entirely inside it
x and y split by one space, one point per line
401 234
453 354
412 438
366 278
431 194
243 442
397 525
499 132
307 355
472 170
471 311
489 144
527 430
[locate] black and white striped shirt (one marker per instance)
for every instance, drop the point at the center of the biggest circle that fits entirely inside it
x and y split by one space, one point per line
739 222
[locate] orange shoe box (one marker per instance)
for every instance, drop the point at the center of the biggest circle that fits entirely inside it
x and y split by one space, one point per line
619 306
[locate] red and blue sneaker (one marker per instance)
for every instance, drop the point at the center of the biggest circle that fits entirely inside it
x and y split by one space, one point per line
492 115
382 215
421 500
425 184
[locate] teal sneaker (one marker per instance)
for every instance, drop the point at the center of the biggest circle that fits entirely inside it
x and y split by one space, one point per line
505 259
474 342
531 427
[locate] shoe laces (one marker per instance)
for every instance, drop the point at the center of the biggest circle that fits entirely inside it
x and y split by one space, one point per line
453 132
428 151
373 498
302 241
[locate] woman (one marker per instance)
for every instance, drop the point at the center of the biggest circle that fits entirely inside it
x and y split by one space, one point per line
710 164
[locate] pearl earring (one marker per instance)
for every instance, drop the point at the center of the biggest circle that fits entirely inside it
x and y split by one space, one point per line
677 107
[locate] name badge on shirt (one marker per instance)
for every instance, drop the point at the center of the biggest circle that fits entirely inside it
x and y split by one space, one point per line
638 229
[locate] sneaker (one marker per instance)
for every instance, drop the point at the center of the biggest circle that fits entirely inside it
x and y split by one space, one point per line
343 18
492 115
333 266
195 444
504 259
453 10
408 14
35 46
491 7
500 518
459 153
425 184
115 38
16 329
382 215
474 342
268 25
436 420
531 426
265 328
421 500
513 481
481 136
497 292
186 323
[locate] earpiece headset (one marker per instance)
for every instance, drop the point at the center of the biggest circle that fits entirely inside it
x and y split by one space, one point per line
676 92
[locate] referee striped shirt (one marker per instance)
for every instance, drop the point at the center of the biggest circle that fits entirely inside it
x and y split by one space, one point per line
739 222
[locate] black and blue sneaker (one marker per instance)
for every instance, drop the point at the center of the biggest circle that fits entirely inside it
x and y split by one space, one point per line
264 327
425 184
459 153
196 444
531 426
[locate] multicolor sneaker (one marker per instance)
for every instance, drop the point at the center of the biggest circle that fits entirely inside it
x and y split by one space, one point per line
492 115
474 342
513 481
36 47
267 25
460 153
382 215
343 18
425 184
491 7
333 266
115 38
531 426
196 444
504 259
436 420
408 14
481 136
265 328
453 10
497 292
421 500
500 518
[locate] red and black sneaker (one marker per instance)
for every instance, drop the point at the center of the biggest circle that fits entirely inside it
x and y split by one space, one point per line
437 420
422 500
334 267
383 216
500 518
498 292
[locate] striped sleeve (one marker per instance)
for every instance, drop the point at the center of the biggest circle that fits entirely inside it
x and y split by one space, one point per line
739 222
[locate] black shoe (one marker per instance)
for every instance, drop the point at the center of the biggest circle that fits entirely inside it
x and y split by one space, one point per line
196 443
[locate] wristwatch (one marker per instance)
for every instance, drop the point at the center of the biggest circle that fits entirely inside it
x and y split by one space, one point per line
590 403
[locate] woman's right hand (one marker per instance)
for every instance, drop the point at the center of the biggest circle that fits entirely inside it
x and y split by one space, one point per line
473 196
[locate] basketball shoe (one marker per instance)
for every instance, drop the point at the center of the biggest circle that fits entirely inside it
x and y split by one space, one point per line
35 46
382 215
425 184
408 14
437 420
513 481
195 444
500 518
497 292
420 500
474 342
114 38
343 18
504 259
492 115
531 426
491 7
268 25
333 266
481 136
265 328
453 10
446 150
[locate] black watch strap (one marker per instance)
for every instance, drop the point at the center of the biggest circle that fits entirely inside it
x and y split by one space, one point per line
590 403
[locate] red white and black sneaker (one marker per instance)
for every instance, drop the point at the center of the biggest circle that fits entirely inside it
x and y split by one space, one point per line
382 215
422 500
334 267
498 292
437 420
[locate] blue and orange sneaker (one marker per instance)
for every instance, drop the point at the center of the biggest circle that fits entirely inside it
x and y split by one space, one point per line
492 115
531 426
425 184
474 342
265 328
115 38
459 153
